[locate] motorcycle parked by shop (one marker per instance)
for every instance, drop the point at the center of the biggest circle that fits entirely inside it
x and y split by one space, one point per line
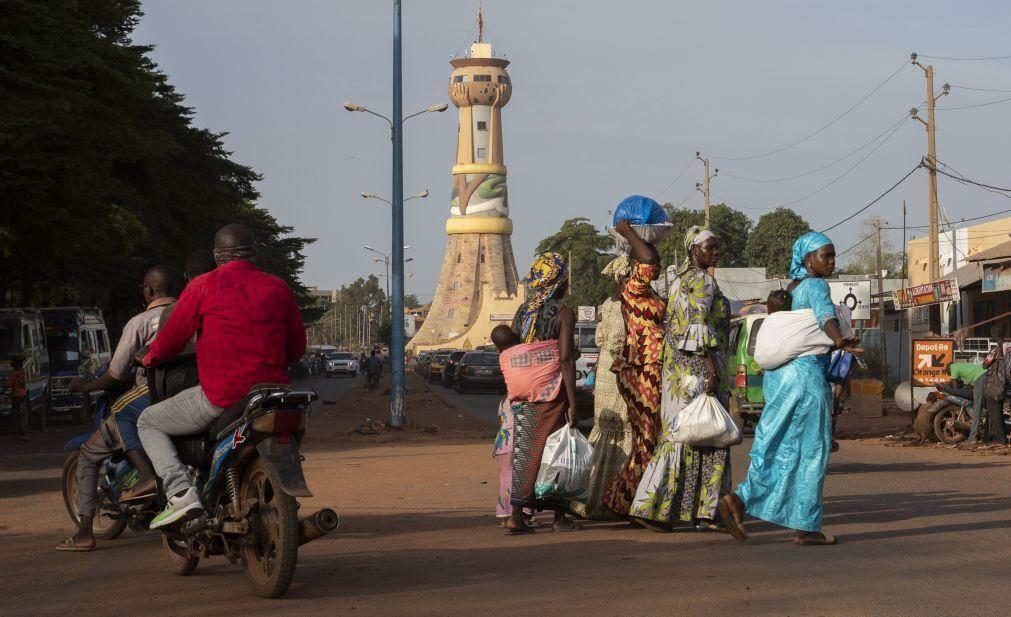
248 470
951 414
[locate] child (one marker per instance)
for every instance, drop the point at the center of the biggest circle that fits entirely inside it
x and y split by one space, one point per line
504 338
19 399
779 300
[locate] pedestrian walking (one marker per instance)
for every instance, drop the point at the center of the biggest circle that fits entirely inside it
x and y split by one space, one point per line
19 399
682 484
793 437
638 367
611 436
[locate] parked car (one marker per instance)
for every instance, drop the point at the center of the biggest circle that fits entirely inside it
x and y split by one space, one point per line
747 398
449 370
421 365
22 334
78 343
341 362
479 370
435 364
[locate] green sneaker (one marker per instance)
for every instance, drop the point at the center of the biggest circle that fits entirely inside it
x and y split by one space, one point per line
181 506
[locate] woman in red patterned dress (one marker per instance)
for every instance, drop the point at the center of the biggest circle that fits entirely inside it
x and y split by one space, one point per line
639 366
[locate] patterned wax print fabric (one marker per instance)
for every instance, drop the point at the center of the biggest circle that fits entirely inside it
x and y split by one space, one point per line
793 437
544 279
638 369
682 484
611 436
503 453
533 423
532 371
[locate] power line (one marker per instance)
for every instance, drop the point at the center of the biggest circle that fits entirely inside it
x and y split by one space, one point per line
979 89
858 243
845 173
876 199
967 180
809 136
987 104
823 167
965 59
683 171
962 176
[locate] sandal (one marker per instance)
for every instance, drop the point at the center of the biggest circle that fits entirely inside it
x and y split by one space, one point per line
651 525
70 546
522 531
814 540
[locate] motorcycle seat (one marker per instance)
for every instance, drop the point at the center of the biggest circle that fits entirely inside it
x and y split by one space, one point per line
965 393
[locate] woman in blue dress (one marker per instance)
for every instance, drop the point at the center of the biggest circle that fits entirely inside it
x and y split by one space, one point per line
794 434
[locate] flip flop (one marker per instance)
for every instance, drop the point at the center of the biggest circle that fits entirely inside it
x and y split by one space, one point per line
572 527
523 531
70 546
825 540
136 493
651 525
733 527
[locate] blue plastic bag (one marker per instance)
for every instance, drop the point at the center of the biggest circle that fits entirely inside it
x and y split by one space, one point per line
639 210
839 367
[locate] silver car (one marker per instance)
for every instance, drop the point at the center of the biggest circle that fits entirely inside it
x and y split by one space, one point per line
341 362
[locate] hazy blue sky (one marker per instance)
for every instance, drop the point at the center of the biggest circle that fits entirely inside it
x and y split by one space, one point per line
610 98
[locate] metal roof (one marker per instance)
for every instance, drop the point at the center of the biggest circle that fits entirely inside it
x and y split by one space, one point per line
1001 251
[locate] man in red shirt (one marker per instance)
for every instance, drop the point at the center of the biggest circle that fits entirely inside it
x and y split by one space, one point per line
249 330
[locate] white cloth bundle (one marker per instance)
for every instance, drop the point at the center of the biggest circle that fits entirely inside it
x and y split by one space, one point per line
787 335
704 422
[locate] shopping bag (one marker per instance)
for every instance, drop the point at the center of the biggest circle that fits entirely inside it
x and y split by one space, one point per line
565 466
787 335
704 422
839 367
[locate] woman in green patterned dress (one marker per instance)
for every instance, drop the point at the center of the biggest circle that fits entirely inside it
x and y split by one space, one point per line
682 484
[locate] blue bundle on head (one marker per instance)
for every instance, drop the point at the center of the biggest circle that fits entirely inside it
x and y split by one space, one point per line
639 210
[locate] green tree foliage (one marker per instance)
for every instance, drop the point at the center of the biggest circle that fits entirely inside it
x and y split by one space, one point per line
411 301
863 258
732 228
361 301
771 242
102 171
589 249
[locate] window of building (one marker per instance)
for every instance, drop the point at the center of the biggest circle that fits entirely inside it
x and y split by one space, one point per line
449 314
503 79
482 78
482 257
458 258
457 79
482 125
482 153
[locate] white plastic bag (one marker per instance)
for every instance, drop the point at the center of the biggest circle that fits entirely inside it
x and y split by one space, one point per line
704 422
565 466
787 335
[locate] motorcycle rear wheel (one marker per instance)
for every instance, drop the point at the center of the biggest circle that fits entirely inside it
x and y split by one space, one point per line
182 561
272 554
944 425
103 527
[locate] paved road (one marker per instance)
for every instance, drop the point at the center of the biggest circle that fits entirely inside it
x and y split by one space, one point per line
483 405
924 532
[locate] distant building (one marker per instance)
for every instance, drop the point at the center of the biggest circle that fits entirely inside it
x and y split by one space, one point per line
955 247
323 297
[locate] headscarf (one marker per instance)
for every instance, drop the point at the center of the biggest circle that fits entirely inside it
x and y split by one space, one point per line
620 267
235 253
695 236
809 242
545 277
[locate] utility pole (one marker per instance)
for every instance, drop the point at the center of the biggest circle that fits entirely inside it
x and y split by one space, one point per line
881 306
934 254
398 412
704 186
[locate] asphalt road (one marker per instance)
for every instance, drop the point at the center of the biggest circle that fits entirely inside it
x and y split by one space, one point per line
483 405
923 532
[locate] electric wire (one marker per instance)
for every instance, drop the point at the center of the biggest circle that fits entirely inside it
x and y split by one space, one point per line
979 89
965 59
678 177
967 180
875 200
856 244
987 104
823 167
823 128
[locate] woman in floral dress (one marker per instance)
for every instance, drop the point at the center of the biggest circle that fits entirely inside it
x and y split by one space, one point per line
638 366
611 436
682 484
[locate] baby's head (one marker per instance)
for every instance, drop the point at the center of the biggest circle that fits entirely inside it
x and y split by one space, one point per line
503 337
779 300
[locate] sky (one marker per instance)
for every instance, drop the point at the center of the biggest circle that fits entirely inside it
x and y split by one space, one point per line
609 99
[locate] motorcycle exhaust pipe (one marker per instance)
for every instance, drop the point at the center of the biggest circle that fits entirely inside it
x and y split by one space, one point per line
317 525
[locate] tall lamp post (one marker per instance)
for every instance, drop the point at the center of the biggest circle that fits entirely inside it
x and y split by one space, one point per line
398 416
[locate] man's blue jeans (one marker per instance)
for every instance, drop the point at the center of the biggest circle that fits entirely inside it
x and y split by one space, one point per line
126 410
978 396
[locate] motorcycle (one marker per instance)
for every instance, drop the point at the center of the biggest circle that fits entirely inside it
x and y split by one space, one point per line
248 471
952 417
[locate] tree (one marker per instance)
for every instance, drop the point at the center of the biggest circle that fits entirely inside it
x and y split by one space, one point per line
589 254
732 228
771 242
102 171
411 301
863 258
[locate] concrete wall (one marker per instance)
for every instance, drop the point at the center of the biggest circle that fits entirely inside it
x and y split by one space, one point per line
955 247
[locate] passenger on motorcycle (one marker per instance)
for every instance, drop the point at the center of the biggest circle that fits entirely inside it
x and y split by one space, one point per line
249 329
160 287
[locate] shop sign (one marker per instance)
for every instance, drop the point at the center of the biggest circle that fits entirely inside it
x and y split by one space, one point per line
925 295
932 360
